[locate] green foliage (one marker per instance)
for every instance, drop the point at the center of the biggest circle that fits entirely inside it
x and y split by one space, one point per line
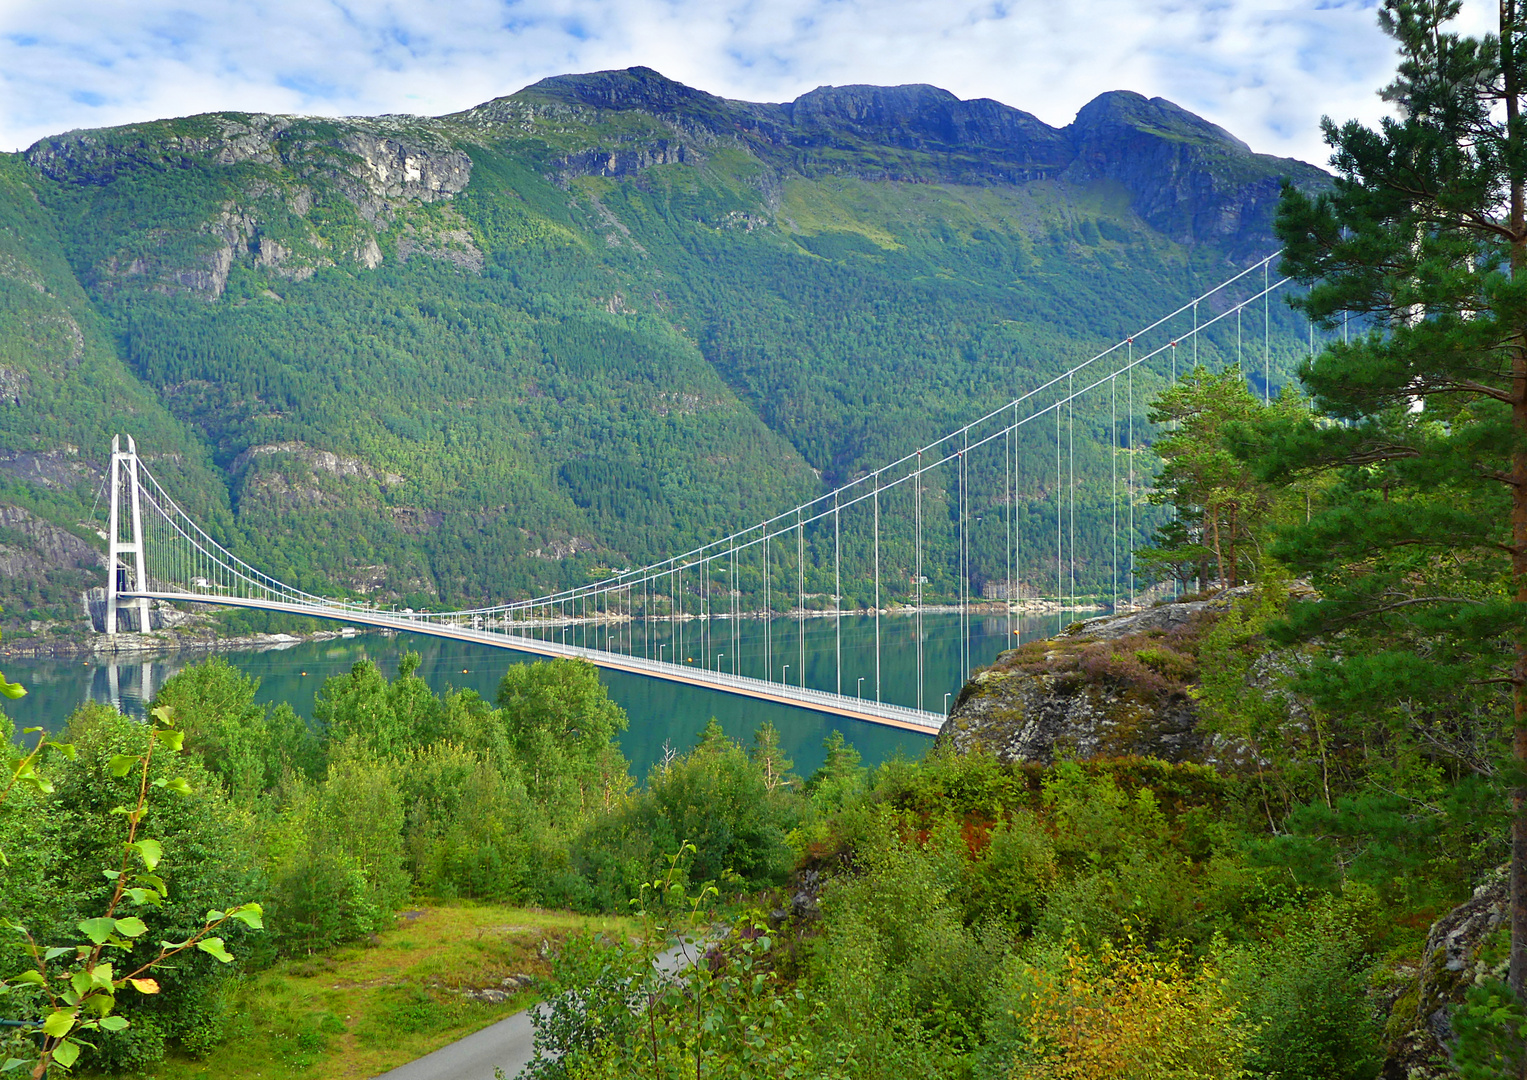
717 800
249 747
1220 507
472 829
1411 555
76 985
1491 1026
562 725
709 1005
319 893
1305 992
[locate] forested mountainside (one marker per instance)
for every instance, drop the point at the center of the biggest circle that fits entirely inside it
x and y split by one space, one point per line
576 327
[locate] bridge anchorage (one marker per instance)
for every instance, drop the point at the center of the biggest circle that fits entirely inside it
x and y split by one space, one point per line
973 524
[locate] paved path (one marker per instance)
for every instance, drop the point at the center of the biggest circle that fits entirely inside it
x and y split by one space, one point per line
508 1045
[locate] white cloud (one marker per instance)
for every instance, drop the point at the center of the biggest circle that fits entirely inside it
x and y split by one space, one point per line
1265 74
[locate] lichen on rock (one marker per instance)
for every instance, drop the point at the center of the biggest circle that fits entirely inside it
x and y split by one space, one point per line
1114 686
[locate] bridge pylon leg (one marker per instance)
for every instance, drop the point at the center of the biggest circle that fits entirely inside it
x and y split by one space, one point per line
124 472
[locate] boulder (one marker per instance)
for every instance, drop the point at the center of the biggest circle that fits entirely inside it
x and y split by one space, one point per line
1461 951
1115 686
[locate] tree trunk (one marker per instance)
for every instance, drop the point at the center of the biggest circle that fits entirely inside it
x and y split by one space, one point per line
1219 554
1235 523
1518 971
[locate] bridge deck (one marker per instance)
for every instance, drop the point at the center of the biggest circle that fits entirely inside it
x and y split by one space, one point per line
897 716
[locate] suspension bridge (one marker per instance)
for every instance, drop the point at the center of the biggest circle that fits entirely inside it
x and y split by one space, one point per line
961 495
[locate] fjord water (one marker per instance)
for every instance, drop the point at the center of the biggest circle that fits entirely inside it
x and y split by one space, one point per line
663 714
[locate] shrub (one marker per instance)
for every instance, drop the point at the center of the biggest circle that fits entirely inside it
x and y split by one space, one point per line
1121 1011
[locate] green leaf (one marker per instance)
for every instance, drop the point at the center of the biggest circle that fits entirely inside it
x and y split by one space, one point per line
13 1063
171 739
143 896
178 785
59 1023
66 1053
114 1023
32 977
101 976
12 690
213 947
80 980
56 951
251 915
97 930
132 926
112 875
149 851
122 764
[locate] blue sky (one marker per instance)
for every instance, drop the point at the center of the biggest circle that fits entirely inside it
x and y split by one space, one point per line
1264 70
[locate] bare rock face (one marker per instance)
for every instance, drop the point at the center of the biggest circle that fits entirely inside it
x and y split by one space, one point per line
13 385
1022 717
35 548
382 166
59 468
1455 958
319 460
1113 686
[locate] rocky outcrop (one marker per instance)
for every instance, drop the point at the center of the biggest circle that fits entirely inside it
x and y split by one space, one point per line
379 165
1462 950
1114 686
373 160
59 468
324 461
46 545
1189 178
13 385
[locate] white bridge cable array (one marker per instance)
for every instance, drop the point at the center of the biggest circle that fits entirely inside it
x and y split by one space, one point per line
178 560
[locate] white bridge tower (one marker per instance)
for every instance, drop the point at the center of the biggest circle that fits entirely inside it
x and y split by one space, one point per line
122 576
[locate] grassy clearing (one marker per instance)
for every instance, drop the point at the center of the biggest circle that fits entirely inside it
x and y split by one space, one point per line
362 1010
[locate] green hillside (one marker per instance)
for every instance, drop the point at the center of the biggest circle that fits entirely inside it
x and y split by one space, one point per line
580 326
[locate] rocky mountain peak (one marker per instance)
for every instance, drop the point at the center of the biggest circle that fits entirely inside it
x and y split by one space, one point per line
626 88
922 117
1123 112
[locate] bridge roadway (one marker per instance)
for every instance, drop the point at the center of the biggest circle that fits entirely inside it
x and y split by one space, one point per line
871 712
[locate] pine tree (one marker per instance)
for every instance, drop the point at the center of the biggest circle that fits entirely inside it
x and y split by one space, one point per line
1221 504
768 756
1421 557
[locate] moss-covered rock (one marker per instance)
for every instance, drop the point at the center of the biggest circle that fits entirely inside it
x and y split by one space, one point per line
1115 686
1463 948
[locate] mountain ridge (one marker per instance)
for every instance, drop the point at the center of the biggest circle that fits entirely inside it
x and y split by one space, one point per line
577 325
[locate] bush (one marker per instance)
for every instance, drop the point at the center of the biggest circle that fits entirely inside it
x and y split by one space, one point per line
1306 996
1122 1011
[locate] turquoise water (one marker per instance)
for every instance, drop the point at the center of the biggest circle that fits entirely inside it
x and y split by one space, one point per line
661 713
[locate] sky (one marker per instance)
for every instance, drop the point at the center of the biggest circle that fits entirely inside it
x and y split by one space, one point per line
1266 70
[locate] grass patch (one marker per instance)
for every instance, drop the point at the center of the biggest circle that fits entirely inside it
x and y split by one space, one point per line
359 1011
